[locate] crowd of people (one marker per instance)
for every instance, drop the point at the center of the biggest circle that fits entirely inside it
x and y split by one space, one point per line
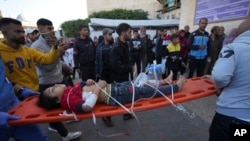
36 62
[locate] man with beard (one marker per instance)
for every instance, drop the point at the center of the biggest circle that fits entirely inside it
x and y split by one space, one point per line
102 62
19 64
20 60
215 48
198 44
85 54
120 65
102 55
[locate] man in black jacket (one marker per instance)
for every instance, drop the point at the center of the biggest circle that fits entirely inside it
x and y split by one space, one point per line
102 62
84 50
102 55
135 50
120 65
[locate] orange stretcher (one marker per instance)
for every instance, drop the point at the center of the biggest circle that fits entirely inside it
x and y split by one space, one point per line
30 113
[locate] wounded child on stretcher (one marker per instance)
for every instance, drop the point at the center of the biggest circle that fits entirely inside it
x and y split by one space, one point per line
83 96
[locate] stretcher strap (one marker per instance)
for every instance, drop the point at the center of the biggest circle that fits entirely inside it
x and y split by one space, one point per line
126 109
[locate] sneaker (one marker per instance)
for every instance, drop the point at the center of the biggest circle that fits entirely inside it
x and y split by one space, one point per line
72 135
52 129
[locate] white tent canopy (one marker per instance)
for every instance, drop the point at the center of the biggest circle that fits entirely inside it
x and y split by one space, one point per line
112 23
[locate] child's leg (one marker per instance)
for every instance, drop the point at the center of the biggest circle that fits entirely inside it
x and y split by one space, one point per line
165 81
147 91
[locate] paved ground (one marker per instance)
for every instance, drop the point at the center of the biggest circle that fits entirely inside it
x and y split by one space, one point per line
189 121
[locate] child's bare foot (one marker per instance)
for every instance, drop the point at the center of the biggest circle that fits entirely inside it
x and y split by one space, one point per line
169 79
180 82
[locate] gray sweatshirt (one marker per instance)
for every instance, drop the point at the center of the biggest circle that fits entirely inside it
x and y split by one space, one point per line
48 74
232 73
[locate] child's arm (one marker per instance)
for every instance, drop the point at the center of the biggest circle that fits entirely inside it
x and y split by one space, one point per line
90 82
90 102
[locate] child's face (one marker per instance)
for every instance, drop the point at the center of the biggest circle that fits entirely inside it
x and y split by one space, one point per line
176 41
55 91
182 34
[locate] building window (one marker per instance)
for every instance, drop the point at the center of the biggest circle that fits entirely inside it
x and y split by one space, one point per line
169 5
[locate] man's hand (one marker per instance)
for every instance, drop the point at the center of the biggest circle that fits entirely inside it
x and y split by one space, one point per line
136 47
102 83
202 47
62 48
52 41
208 59
218 90
183 65
133 68
25 92
78 70
4 117
174 57
69 68
90 82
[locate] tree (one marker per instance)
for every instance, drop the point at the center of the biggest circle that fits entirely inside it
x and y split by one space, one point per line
71 27
121 14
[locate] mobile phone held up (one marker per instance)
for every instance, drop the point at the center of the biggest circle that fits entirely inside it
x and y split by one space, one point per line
46 35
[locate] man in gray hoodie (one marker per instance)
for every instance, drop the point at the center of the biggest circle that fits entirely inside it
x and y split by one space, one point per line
231 77
49 75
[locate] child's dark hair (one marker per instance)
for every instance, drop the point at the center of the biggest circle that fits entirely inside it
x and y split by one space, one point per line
48 102
174 36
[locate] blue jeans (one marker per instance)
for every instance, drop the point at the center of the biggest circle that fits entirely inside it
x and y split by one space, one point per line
122 92
220 127
23 133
